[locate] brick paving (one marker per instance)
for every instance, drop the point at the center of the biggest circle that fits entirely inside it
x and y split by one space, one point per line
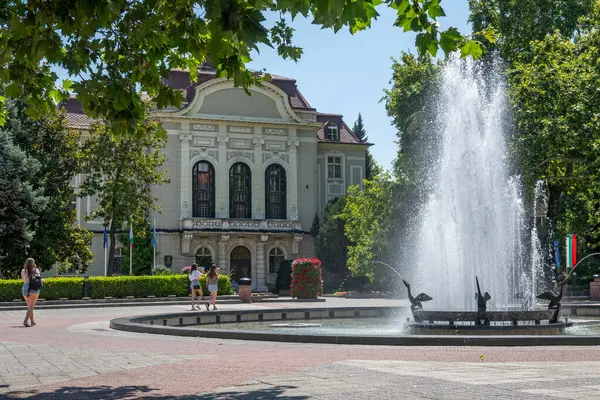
73 354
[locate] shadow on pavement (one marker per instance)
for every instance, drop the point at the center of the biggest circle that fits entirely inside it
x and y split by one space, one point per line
145 392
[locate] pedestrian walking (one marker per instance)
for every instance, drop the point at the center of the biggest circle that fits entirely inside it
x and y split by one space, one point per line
32 283
194 278
212 281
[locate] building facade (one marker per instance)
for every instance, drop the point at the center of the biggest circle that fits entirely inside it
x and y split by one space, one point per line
246 176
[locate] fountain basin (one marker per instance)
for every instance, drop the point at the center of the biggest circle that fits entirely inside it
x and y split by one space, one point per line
536 322
367 326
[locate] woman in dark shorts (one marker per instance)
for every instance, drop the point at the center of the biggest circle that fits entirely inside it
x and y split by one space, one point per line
31 296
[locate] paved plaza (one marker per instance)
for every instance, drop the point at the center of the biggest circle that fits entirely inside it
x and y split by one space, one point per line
73 354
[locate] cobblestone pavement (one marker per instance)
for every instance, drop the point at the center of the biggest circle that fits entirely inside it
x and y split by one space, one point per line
73 354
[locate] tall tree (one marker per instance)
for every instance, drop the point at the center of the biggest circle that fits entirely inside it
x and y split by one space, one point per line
555 101
519 22
20 204
371 167
119 50
57 236
408 104
120 173
332 244
367 220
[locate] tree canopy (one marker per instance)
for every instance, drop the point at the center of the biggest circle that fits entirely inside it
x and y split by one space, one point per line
20 204
116 51
519 22
556 103
332 243
371 167
52 154
57 237
121 173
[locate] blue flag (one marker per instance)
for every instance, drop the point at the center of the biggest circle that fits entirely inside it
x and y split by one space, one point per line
105 238
153 235
556 254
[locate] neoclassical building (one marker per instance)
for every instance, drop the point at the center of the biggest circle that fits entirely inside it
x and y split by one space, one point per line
246 176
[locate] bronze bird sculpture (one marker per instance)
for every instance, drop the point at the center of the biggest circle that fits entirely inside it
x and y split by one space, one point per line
482 299
415 302
554 298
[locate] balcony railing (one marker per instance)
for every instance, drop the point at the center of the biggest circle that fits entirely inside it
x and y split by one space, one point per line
226 224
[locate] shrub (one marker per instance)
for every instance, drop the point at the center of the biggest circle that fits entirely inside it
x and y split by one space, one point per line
161 270
117 287
138 286
62 288
53 289
306 278
10 289
143 286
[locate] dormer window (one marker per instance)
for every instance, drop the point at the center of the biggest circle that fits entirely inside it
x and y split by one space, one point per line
333 132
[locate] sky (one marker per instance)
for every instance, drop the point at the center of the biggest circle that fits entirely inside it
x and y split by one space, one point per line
340 73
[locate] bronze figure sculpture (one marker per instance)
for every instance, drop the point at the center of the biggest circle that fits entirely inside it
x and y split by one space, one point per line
482 305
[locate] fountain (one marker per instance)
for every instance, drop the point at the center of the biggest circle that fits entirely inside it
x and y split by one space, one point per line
473 226
473 255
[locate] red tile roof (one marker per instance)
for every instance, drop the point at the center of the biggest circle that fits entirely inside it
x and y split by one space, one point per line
179 79
345 133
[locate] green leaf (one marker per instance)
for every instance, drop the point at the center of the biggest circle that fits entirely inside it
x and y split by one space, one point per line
56 96
490 34
121 100
471 48
67 84
435 10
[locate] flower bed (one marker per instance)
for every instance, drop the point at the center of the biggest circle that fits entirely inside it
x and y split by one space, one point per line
307 282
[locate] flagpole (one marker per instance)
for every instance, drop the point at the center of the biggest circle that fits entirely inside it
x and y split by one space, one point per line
130 249
105 240
154 244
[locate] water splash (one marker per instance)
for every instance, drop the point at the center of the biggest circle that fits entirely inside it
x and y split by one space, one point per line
473 223
537 271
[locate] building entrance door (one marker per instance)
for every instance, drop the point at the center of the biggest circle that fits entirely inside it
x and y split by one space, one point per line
240 263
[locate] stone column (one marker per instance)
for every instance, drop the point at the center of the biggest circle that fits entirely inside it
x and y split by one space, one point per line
295 244
222 260
258 181
222 180
186 243
185 177
292 182
261 265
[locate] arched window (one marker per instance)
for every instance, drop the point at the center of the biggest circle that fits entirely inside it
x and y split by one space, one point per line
275 191
275 258
240 191
203 187
204 257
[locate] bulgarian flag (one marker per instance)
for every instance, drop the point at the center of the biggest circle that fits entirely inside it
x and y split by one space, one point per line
571 252
131 236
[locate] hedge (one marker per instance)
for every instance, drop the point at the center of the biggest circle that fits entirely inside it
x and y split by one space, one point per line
116 287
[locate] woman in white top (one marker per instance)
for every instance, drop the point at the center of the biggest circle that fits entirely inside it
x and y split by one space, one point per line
31 296
194 277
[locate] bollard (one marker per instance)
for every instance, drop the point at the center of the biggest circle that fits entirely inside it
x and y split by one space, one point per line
86 287
245 292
